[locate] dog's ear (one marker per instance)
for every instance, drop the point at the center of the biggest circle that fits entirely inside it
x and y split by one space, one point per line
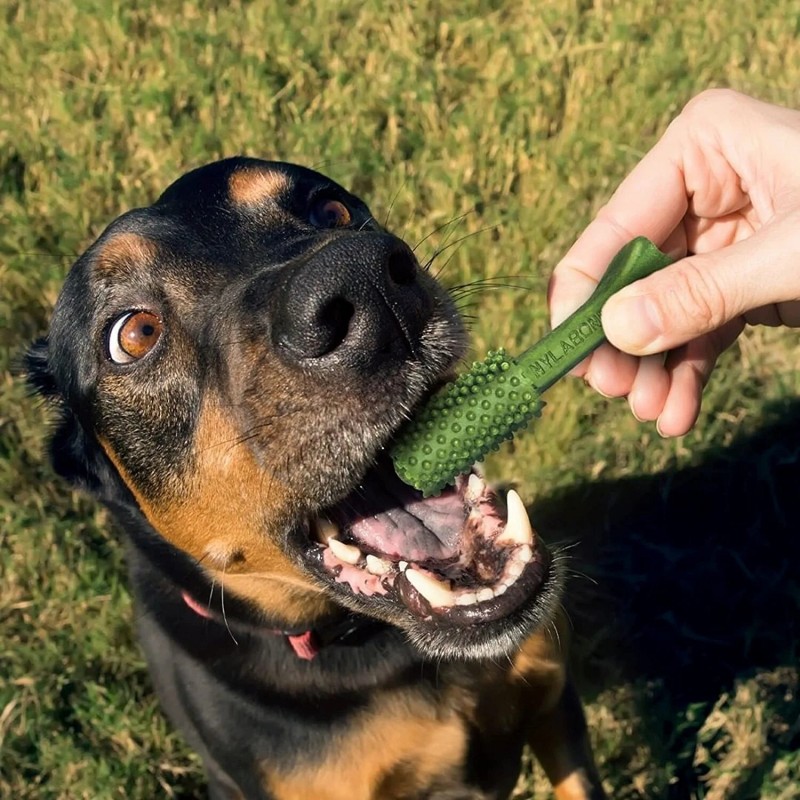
74 453
37 370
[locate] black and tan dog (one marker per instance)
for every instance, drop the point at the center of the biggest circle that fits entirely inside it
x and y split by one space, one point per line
230 364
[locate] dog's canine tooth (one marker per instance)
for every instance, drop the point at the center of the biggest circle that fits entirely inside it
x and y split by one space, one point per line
475 487
377 566
324 529
437 593
402 565
518 528
348 553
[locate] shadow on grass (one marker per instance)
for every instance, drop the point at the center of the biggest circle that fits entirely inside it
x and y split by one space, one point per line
697 576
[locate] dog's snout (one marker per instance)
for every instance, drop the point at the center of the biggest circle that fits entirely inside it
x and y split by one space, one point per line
356 302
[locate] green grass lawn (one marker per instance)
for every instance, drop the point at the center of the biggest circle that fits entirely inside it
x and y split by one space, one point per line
501 125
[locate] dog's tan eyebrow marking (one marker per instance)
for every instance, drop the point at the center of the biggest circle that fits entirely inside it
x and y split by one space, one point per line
248 187
125 250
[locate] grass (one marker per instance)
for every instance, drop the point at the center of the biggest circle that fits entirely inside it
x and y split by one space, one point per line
509 123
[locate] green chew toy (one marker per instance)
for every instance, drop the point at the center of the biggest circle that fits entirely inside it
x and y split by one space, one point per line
500 395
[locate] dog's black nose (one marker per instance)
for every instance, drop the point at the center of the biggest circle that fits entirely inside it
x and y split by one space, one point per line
356 302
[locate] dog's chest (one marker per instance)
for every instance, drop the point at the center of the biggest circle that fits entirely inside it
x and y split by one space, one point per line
399 746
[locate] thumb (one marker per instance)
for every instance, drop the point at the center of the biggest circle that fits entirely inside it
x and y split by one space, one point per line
701 293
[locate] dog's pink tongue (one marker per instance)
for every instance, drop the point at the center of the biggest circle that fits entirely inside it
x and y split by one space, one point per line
417 531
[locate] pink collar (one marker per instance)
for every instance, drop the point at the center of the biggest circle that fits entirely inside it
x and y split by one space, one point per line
305 645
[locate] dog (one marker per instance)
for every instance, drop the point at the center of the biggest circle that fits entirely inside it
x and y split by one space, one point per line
230 365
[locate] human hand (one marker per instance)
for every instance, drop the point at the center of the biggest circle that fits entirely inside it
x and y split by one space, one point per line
723 187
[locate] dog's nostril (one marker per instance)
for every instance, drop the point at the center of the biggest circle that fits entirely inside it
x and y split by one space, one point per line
402 268
334 319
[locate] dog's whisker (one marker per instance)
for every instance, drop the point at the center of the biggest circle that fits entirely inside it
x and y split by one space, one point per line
485 285
278 577
33 254
251 433
458 242
438 228
453 226
222 605
437 252
394 200
551 625
365 223
210 596
574 573
565 611
330 162
514 669
494 280
463 307
444 266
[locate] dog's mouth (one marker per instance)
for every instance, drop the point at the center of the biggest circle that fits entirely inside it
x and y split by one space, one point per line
455 560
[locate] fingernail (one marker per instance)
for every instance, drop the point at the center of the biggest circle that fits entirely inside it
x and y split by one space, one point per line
587 379
633 411
631 322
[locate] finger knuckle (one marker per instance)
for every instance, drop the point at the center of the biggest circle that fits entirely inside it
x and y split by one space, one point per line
711 102
695 297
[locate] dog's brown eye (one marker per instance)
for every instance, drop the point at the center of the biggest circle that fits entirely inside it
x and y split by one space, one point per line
133 336
330 214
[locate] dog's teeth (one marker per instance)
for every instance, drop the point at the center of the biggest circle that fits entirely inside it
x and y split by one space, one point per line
515 569
475 487
437 593
501 588
377 566
485 594
524 554
344 552
324 529
518 528
467 599
402 565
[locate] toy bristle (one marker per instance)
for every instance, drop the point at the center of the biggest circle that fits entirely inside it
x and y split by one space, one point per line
467 419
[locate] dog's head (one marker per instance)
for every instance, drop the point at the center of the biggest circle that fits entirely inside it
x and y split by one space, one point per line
231 363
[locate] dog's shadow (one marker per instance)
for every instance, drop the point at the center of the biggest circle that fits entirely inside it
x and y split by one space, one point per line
690 578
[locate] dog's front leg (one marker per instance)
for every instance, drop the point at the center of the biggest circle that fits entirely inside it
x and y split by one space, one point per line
556 725
560 742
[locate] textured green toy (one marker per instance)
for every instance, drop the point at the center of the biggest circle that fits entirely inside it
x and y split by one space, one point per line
500 395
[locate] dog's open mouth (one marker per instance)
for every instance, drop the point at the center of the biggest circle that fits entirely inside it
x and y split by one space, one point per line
456 559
